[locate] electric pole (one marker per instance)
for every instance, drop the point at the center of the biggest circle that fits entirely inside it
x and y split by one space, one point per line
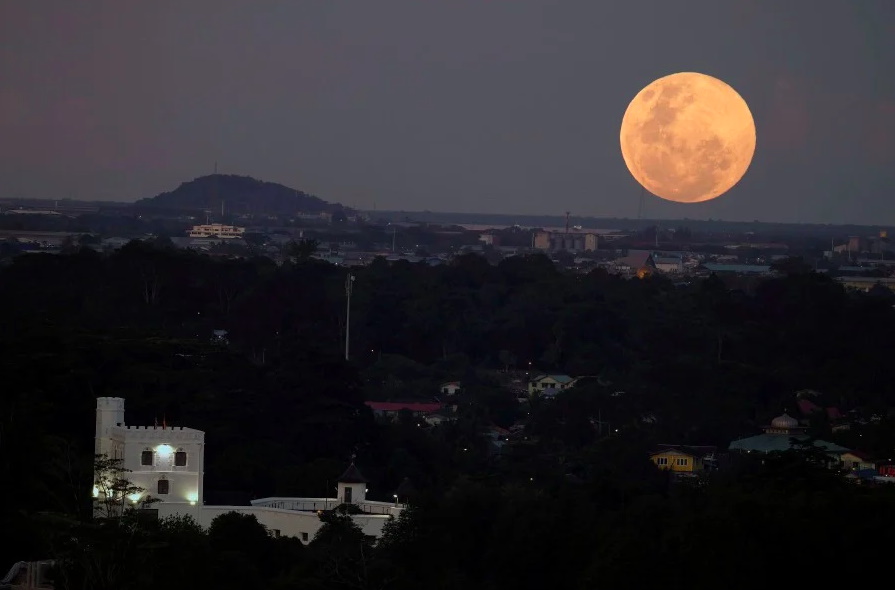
349 284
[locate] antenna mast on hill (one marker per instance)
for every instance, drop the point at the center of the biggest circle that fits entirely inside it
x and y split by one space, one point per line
567 221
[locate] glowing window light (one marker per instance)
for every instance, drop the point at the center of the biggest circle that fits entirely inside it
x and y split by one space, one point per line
193 497
95 492
135 497
164 451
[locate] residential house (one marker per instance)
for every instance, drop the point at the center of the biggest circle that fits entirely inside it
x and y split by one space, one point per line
440 417
857 461
550 384
449 388
391 410
684 458
497 436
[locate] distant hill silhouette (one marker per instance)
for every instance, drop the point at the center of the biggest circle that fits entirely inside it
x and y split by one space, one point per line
240 195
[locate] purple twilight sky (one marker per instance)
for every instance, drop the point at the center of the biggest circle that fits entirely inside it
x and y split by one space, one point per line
448 105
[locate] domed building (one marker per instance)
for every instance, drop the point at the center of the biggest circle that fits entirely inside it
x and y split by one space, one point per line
779 436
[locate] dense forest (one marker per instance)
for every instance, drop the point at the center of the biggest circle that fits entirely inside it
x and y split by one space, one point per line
569 506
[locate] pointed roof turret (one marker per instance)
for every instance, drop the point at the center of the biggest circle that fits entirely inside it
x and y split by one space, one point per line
352 475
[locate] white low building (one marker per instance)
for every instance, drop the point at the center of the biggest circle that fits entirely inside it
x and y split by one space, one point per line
216 230
168 463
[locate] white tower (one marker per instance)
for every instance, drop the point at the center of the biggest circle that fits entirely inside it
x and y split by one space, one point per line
352 486
168 462
109 413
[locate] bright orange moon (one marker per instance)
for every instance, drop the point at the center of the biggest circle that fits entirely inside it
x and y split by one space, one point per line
688 137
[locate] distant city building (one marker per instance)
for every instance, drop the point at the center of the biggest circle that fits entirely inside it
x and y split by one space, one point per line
168 463
737 269
669 264
867 283
641 262
217 230
570 242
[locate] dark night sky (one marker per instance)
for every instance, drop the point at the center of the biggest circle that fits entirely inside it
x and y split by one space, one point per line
450 105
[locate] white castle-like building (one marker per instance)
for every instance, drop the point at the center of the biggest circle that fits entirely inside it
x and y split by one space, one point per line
168 463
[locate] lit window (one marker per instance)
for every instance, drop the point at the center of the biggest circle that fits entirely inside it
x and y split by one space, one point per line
682 462
163 487
180 459
146 458
662 461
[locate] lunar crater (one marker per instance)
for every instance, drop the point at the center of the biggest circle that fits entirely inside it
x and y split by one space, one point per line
687 137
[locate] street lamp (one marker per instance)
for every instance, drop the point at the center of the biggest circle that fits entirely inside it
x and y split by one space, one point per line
349 284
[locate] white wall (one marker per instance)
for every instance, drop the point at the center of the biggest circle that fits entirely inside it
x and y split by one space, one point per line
184 483
289 523
119 441
358 492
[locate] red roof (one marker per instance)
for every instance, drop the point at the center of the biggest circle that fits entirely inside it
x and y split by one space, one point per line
807 406
398 406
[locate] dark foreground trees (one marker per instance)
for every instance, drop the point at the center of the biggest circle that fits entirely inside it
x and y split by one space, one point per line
698 364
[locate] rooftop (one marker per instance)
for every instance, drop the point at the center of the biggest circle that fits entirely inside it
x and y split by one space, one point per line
737 268
691 450
768 443
558 378
352 475
398 406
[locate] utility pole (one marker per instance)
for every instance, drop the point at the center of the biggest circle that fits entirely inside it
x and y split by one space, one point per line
640 206
349 284
600 423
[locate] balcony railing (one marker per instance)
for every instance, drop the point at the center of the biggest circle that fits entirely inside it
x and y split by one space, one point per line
315 504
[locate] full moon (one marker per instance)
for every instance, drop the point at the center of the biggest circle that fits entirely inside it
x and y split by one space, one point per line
688 137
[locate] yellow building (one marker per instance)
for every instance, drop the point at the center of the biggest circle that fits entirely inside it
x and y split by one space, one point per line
684 458
568 241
